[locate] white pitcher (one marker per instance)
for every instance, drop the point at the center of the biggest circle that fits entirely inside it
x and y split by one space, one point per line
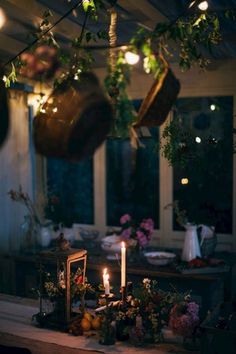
191 247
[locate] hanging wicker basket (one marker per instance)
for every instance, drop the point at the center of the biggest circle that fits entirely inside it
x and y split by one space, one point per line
159 100
74 121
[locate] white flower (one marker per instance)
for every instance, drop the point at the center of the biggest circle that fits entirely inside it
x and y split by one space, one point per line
146 281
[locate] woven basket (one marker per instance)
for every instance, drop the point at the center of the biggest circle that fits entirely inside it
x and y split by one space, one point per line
208 246
159 100
80 124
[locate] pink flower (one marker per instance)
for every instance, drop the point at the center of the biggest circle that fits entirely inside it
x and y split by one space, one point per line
141 237
147 224
141 232
125 218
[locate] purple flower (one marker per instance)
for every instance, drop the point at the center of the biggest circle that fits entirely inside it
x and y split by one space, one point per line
126 233
125 218
183 323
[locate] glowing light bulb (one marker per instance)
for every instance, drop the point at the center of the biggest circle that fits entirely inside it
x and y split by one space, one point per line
212 107
184 180
198 139
131 58
203 6
2 18
55 110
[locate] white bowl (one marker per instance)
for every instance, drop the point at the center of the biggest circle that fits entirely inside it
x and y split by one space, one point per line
159 258
111 244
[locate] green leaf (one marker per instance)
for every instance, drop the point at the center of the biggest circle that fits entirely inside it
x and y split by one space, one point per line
47 13
88 5
216 23
88 36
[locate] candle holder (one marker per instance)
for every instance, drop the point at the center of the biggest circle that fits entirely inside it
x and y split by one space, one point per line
107 332
123 294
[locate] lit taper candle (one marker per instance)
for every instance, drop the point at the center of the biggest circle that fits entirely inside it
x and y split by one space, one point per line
123 265
106 283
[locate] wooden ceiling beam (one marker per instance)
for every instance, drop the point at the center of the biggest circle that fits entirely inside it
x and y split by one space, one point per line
20 9
10 45
145 13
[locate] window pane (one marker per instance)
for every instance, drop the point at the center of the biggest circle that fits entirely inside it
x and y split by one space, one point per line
132 179
72 183
207 197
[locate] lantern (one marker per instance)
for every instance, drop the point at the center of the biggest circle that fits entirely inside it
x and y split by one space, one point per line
60 270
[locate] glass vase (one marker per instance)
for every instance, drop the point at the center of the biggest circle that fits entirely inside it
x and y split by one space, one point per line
135 253
29 235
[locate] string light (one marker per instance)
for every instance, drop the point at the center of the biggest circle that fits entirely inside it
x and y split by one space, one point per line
37 100
198 139
212 107
184 180
203 6
131 58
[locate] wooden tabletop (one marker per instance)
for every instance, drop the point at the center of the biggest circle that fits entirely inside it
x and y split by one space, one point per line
143 268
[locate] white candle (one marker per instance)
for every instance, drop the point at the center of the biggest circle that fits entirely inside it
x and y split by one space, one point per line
123 265
106 283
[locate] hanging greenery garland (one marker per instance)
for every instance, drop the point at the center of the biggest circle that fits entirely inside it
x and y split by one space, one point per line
187 39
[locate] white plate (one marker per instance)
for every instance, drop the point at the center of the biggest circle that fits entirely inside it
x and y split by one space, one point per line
111 244
159 258
113 257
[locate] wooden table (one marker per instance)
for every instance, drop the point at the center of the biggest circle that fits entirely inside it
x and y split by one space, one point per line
209 289
16 330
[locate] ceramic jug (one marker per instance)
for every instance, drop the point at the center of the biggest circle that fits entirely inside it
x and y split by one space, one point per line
191 247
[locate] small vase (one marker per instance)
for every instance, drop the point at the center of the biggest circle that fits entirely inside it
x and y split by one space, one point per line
122 332
107 333
191 249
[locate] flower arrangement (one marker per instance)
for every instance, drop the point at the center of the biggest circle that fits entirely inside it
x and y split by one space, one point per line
23 198
146 312
184 317
181 214
54 289
132 231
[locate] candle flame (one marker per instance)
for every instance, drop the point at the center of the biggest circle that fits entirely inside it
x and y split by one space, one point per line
122 244
105 271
